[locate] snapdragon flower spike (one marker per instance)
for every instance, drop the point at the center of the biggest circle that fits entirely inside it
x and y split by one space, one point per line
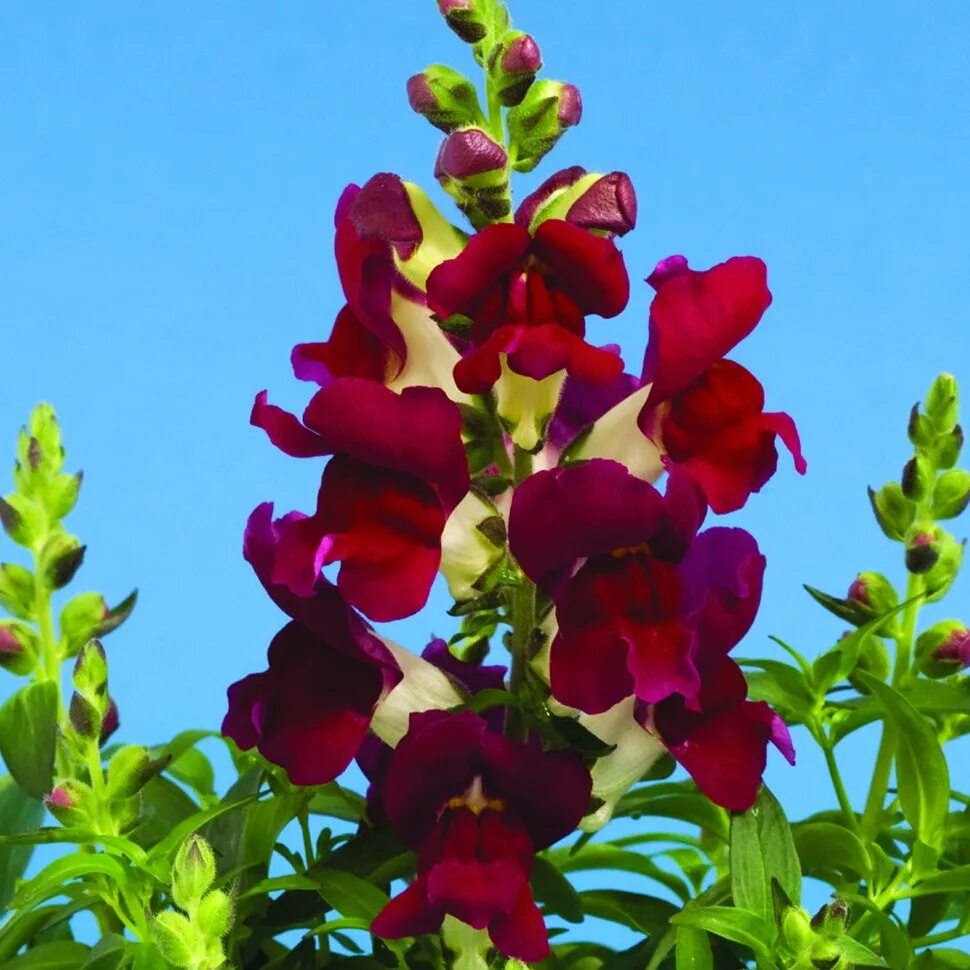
311 709
527 297
399 468
704 412
638 598
477 806
723 744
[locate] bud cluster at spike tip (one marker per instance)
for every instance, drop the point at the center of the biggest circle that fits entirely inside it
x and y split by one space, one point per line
464 423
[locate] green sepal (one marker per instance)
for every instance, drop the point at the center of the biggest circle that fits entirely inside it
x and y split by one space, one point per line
942 404
951 494
894 512
60 559
23 520
17 590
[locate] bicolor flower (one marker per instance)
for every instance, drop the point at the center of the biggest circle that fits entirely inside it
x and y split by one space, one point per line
527 297
638 598
477 806
389 235
695 408
397 471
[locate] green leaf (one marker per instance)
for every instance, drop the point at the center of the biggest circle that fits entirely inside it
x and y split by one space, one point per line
693 950
674 800
194 769
164 805
277 883
783 686
50 881
645 914
762 849
921 772
609 857
953 880
337 802
28 726
349 895
827 847
62 955
110 953
18 812
344 923
551 888
942 958
738 925
859 954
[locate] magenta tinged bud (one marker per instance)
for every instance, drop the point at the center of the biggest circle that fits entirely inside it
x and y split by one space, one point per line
465 18
570 106
522 56
10 646
60 797
512 66
111 721
922 552
444 97
420 96
609 205
468 153
858 592
382 210
955 649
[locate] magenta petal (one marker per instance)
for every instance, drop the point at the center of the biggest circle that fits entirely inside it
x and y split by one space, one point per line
409 914
521 933
474 891
285 431
561 515
783 426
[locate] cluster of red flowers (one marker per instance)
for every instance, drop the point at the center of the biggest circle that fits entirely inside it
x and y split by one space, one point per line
452 358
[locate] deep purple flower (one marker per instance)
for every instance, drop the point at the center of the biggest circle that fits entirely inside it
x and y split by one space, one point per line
477 806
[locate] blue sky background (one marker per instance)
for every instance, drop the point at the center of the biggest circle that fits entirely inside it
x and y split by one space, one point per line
167 181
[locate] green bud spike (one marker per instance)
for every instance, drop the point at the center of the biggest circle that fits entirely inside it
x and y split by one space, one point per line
17 590
796 930
214 914
951 494
80 620
193 872
60 559
922 546
23 520
512 65
894 512
918 477
85 716
177 940
943 404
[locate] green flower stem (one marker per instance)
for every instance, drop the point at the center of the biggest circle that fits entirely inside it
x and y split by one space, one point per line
904 642
308 851
837 784
944 936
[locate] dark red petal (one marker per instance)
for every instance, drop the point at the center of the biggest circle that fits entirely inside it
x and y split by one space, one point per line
409 914
722 577
473 891
459 285
697 317
310 711
590 672
382 210
417 432
532 203
351 351
522 933
437 759
561 515
285 431
587 267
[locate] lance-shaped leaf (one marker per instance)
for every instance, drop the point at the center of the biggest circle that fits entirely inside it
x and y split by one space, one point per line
18 812
693 949
825 847
28 724
738 925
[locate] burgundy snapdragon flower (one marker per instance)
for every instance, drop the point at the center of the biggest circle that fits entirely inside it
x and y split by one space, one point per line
477 806
707 414
527 297
638 598
311 709
399 468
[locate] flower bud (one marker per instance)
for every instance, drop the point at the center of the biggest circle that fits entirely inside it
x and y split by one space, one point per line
951 494
513 64
796 930
825 954
66 803
473 169
917 479
46 434
19 647
946 450
943 649
60 495
22 519
60 559
90 675
920 429
832 919
130 768
81 620
193 872
85 717
111 721
446 98
548 109
942 404
600 203
876 596
176 939
894 512
17 590
940 576
469 18
214 914
873 660
923 548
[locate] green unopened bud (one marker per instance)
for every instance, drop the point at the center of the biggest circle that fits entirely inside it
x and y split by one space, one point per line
894 512
548 109
130 769
48 452
825 954
471 20
177 939
951 495
19 647
60 495
60 559
946 450
943 649
193 872
796 929
23 520
831 920
80 620
214 914
17 590
85 716
90 675
943 403
876 596
940 576
512 65
918 477
923 547
445 97
68 803
920 429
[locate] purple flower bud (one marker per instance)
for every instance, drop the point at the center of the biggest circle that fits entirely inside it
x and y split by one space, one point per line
955 649
10 646
522 56
60 797
570 106
444 97
420 96
111 721
858 591
512 66
609 205
467 153
464 18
